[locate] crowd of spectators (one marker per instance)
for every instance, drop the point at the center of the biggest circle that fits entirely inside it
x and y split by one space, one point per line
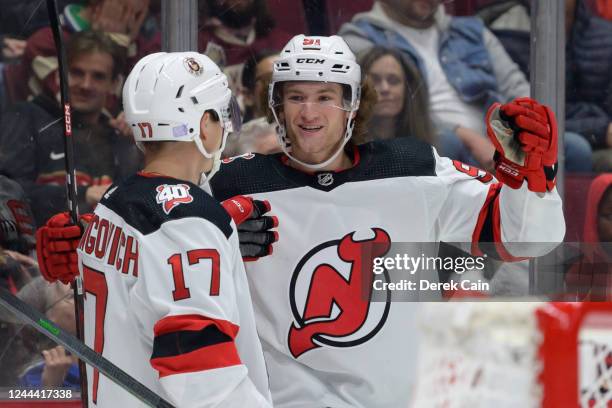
32 140
435 74
465 67
588 66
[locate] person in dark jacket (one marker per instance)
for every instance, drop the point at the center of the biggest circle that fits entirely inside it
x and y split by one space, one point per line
589 83
465 67
31 134
16 236
36 71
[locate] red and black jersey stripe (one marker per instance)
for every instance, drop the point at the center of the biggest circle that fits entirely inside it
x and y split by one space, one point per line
190 343
487 236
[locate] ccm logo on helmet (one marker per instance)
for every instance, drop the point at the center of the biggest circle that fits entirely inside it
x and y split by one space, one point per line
310 61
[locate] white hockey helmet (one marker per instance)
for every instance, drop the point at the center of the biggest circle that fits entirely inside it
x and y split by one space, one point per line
166 94
316 59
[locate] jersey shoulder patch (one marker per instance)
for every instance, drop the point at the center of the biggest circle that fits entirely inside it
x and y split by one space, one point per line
147 202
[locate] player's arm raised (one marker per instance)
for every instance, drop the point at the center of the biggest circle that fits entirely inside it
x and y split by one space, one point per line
523 207
187 287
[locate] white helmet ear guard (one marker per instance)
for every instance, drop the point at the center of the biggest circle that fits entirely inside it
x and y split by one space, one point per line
316 59
166 94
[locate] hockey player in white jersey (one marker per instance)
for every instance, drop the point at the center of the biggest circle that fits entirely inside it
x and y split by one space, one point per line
340 205
326 344
166 295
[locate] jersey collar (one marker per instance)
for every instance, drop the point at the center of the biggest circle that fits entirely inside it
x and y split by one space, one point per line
325 180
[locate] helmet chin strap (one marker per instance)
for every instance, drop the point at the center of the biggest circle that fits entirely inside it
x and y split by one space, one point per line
216 156
216 164
283 141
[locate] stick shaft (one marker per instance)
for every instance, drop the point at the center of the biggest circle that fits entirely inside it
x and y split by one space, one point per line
27 314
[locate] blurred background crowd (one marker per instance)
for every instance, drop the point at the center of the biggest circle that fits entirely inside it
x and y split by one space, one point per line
437 67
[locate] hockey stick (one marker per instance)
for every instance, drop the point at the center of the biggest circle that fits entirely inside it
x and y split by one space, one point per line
77 286
65 101
33 317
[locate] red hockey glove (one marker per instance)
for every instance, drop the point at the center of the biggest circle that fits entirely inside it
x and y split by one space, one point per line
524 133
254 233
56 244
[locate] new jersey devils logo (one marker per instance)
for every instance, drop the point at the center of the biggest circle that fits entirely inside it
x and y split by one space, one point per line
330 294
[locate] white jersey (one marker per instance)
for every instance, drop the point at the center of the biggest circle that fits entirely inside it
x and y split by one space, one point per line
325 344
167 300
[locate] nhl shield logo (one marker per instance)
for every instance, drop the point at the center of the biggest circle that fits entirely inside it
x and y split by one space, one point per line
170 196
330 294
325 179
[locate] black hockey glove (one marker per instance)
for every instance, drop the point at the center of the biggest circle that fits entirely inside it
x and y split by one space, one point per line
254 228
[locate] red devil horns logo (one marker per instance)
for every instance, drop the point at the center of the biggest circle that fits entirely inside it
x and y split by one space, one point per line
329 290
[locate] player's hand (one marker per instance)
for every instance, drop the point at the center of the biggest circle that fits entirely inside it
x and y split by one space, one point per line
138 15
111 16
57 364
254 228
56 244
524 133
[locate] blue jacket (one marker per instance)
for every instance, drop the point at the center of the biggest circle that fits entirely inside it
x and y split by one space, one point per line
474 61
463 55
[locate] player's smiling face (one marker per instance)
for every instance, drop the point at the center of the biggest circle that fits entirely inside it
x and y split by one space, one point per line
315 121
